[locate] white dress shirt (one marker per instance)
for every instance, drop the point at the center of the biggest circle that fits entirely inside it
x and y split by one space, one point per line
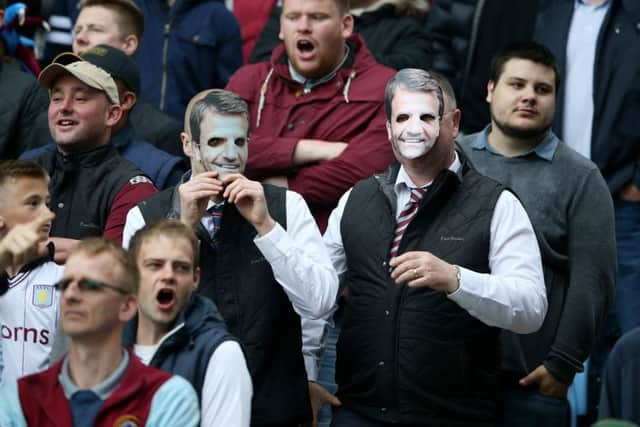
513 295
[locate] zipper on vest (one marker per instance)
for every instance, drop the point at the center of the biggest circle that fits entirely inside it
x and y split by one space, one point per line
165 56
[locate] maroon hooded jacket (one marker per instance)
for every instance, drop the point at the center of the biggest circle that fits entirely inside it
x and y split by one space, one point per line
348 108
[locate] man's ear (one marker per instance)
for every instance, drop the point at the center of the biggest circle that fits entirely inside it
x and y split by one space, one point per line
187 146
128 308
114 113
490 86
128 100
347 26
196 278
388 126
130 44
457 115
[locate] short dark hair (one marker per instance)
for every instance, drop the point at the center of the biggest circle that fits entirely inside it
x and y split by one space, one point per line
528 50
166 227
413 80
95 246
20 169
217 101
130 15
344 6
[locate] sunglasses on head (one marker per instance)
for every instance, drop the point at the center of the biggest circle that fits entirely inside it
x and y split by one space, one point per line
87 285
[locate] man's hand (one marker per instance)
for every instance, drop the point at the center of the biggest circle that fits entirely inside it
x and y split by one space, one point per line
418 269
630 193
22 243
547 383
315 151
320 396
195 194
248 196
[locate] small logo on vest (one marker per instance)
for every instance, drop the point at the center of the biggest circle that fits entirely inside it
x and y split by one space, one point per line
42 296
451 238
139 180
127 421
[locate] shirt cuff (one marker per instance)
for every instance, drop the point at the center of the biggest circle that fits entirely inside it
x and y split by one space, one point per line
311 366
273 244
464 295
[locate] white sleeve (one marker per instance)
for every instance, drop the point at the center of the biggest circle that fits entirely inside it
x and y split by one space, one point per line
300 262
10 408
133 223
333 237
513 296
227 389
313 335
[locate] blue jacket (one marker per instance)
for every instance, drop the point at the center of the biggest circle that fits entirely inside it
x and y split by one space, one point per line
192 46
199 330
164 169
615 141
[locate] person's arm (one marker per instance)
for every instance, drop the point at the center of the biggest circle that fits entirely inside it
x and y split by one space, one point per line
513 296
592 273
135 221
300 261
367 153
133 192
10 409
174 404
227 389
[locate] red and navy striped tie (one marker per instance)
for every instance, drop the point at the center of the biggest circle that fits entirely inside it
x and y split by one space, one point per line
405 218
216 216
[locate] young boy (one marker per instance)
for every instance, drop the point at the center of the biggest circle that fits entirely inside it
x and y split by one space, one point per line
29 308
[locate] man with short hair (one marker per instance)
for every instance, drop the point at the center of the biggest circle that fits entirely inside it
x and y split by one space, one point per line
317 113
164 169
453 260
120 24
98 383
29 309
180 331
92 188
264 263
572 212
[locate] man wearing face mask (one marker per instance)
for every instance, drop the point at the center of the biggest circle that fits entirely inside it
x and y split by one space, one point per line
453 260
262 257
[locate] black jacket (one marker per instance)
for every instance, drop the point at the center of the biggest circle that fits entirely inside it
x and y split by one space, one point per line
394 33
615 138
187 351
465 36
411 355
22 100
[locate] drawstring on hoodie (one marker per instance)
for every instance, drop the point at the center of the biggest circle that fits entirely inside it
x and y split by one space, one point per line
265 85
263 95
345 92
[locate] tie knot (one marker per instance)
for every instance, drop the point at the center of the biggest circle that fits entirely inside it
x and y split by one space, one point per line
417 194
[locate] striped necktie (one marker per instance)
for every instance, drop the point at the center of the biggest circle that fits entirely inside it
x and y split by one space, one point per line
410 210
213 226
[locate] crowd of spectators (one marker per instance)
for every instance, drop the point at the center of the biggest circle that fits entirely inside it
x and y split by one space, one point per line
333 212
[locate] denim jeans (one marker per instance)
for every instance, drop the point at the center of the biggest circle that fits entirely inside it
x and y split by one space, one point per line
529 408
327 373
627 301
